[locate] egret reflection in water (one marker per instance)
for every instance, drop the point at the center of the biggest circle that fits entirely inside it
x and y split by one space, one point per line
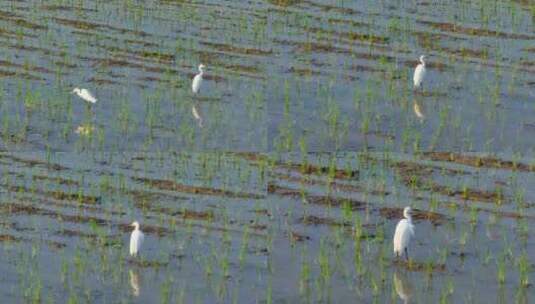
197 115
84 129
418 110
403 286
134 282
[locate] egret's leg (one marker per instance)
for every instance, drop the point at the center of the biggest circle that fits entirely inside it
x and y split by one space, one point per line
406 254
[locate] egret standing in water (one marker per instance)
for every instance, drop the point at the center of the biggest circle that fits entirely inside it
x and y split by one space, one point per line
197 80
404 233
419 73
136 239
85 95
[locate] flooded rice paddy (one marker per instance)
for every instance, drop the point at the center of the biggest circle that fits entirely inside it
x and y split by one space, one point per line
284 179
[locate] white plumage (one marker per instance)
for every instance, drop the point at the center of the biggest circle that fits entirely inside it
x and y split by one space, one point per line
197 80
404 233
136 239
419 73
85 95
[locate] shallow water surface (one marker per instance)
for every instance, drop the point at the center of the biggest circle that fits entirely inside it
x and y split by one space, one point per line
284 179
225 227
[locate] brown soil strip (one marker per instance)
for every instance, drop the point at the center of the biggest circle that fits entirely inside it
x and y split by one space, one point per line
303 72
305 180
83 25
103 81
75 233
258 226
56 245
314 47
9 238
160 57
20 21
417 266
284 3
351 36
251 156
143 197
316 199
478 161
316 220
333 8
197 215
107 240
59 180
418 175
455 28
319 170
248 69
146 228
418 215
237 50
34 162
262 212
466 52
173 186
58 194
20 75
65 8
146 263
506 214
18 208
183 213
297 237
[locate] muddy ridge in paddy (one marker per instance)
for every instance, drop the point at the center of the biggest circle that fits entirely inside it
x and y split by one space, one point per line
478 161
173 186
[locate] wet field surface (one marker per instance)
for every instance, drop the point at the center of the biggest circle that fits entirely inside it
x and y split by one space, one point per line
335 76
284 179
225 227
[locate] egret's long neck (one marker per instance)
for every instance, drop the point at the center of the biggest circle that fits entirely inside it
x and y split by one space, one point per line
409 218
422 61
201 72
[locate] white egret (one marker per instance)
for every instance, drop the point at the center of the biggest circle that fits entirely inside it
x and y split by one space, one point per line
404 233
85 95
136 239
197 80
419 73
